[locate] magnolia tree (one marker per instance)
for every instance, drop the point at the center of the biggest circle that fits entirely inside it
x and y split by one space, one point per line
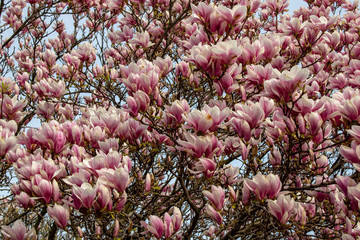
179 119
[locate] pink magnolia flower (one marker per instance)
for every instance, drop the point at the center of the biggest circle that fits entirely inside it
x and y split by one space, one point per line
78 178
177 219
322 22
199 120
216 197
226 84
43 188
156 226
10 125
8 141
118 179
344 182
355 133
51 136
351 154
233 195
351 108
202 12
132 106
283 86
142 39
124 35
104 197
116 228
50 88
199 145
218 115
214 214
232 16
121 202
45 109
168 226
211 231
321 164
231 174
182 69
60 214
12 108
86 52
18 232
165 65
49 57
241 127
110 144
264 185
346 236
354 196
206 166
24 199
142 100
147 182
84 195
282 208
295 26
300 213
111 122
315 121
258 74
176 110
277 6
251 112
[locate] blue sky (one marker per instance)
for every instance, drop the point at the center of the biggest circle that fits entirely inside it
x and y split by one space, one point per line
295 4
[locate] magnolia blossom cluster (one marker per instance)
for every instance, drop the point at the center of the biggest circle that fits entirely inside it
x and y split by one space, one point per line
180 119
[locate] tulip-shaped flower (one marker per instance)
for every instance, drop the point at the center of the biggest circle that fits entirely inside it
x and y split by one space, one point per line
156 226
24 199
84 195
282 208
44 189
264 185
176 110
198 145
104 198
216 197
355 133
168 226
199 120
60 214
86 52
121 202
211 231
315 121
217 115
177 219
344 182
351 154
206 166
230 174
18 232
7 141
354 195
281 88
233 195
147 182
214 214
118 179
